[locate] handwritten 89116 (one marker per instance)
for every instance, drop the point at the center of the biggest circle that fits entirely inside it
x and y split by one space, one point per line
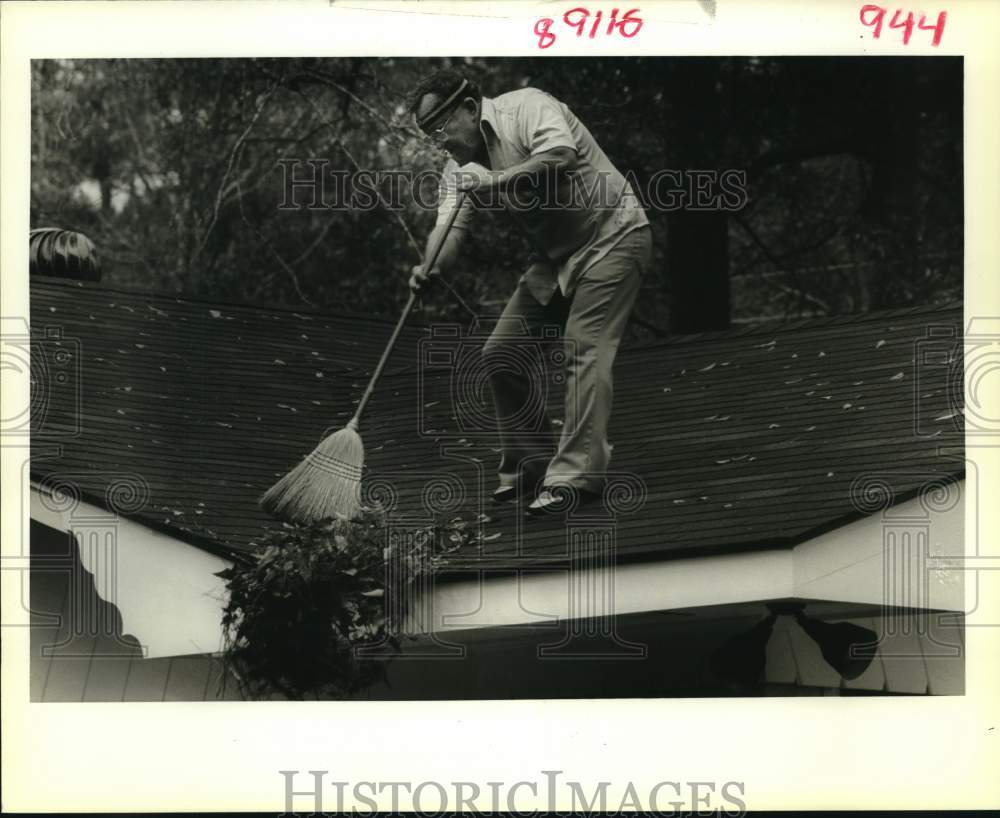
627 26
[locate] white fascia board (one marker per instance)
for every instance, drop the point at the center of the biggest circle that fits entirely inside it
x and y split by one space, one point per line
906 556
165 589
172 602
909 555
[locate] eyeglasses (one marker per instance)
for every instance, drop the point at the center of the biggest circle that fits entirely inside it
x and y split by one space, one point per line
439 134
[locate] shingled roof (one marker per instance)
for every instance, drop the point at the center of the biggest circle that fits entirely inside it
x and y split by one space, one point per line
753 438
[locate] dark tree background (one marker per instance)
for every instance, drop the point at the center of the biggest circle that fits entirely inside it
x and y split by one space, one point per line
854 178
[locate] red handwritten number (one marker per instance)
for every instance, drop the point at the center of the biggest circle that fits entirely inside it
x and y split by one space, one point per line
545 37
597 22
581 19
612 21
873 17
906 25
937 28
875 21
578 18
628 19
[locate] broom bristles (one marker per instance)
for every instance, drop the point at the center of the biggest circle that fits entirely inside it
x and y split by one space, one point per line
327 482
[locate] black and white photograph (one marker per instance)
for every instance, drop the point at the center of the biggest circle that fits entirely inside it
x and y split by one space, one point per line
474 378
610 378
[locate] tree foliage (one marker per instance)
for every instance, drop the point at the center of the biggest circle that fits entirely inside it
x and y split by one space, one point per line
309 613
853 167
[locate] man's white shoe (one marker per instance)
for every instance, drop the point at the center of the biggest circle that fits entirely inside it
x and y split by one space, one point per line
558 499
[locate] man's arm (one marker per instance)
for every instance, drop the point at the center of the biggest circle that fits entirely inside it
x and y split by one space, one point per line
445 260
558 159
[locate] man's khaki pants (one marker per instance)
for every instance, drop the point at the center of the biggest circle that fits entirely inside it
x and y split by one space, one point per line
594 320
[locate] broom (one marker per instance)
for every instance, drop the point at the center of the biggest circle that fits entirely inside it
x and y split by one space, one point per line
328 480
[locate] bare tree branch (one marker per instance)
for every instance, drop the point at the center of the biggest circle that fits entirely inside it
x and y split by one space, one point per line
237 148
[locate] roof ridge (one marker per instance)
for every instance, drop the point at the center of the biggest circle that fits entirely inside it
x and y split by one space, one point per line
63 283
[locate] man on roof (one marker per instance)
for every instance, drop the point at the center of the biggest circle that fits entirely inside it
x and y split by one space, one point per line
528 152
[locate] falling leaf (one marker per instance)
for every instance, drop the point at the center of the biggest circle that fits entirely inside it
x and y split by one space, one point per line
678 502
492 537
810 428
557 422
897 377
794 380
722 462
215 313
821 355
140 346
880 344
120 411
432 403
707 368
319 375
774 426
280 362
846 406
126 389
768 344
666 389
727 505
829 474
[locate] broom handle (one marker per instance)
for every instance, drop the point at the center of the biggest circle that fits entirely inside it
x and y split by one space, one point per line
432 259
